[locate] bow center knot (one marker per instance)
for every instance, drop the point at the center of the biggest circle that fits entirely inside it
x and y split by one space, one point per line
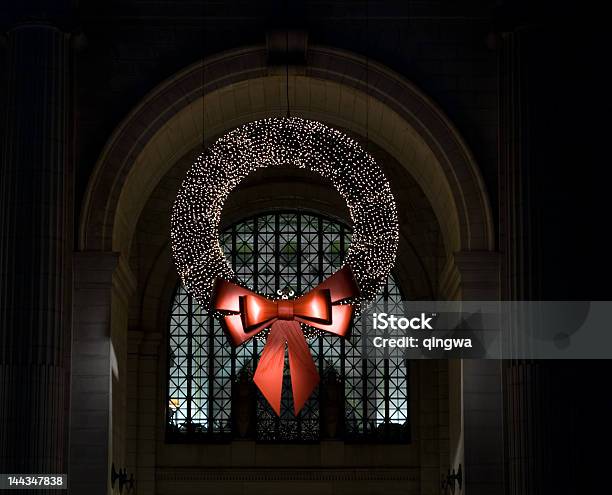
284 309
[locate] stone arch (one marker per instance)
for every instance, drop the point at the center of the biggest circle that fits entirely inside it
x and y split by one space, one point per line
240 87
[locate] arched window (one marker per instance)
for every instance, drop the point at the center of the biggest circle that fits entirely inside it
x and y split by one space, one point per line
210 393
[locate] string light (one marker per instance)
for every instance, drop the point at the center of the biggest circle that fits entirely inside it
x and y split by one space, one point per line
279 142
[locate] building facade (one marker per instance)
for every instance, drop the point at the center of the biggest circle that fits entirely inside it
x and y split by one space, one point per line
110 369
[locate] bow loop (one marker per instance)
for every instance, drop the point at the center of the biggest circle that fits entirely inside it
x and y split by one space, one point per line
314 307
257 311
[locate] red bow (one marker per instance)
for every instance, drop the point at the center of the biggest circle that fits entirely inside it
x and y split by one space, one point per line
246 313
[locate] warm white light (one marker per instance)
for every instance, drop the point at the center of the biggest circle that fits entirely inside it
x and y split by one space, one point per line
277 142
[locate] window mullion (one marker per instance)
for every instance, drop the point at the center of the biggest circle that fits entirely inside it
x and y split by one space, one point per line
298 278
189 361
343 356
364 377
387 399
320 243
277 287
211 374
255 275
234 267
386 377
407 384
298 235
277 252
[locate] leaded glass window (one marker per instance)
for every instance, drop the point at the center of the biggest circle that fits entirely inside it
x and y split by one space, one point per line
358 398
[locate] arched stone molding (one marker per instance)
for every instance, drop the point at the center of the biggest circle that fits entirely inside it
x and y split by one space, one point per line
238 88
334 87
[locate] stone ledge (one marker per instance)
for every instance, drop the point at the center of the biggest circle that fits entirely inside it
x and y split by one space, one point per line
291 474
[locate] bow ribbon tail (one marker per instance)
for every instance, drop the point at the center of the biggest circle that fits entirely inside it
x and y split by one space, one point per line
269 374
304 374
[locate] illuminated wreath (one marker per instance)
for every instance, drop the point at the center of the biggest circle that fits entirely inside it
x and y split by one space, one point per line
277 142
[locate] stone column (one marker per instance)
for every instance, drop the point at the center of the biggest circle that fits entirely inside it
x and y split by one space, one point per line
90 435
518 234
515 211
475 385
148 411
133 388
102 285
36 236
482 386
143 407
